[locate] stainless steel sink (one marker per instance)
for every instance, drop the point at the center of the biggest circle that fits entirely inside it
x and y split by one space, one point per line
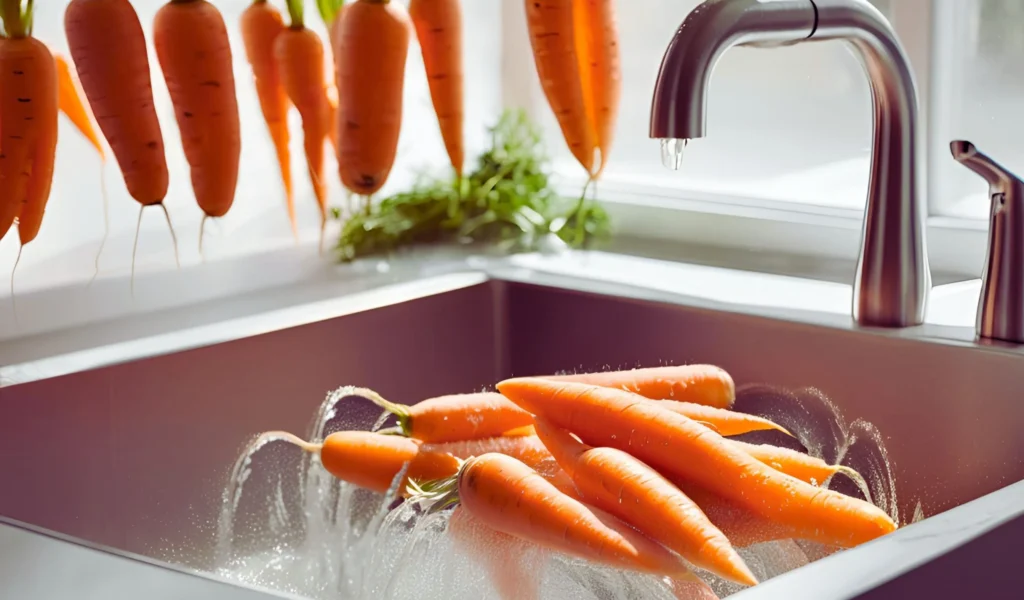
134 455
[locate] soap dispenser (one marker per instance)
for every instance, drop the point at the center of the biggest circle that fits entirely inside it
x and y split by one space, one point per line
1001 307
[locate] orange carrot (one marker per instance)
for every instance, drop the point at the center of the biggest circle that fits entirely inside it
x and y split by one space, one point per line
701 384
108 48
260 25
28 113
192 47
552 32
439 31
70 103
109 51
300 60
373 45
455 417
742 526
680 448
799 465
372 460
514 566
726 422
597 46
510 497
614 481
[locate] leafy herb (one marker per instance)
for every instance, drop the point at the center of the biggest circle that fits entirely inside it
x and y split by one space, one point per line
506 200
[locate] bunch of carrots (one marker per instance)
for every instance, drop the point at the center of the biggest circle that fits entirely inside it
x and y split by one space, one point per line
630 469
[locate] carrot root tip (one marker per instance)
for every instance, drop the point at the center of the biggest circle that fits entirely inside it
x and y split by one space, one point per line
174 237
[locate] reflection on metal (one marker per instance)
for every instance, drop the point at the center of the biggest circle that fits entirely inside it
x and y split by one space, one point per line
893 278
1001 307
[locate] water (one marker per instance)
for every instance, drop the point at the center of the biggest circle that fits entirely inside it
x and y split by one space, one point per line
672 153
288 525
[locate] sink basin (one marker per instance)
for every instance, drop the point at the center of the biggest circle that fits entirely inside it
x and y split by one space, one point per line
134 452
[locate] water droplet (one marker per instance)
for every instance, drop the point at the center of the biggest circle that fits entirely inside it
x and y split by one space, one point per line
672 152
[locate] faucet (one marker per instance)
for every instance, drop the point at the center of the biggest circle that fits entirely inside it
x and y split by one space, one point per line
1001 306
892 279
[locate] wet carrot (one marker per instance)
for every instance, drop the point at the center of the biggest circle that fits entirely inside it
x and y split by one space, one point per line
726 422
680 448
438 26
742 526
372 48
614 481
261 23
191 42
798 464
552 31
28 113
510 497
454 417
701 384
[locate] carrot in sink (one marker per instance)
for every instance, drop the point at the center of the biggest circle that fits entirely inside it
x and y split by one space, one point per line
800 465
701 384
680 448
510 497
726 422
614 481
455 417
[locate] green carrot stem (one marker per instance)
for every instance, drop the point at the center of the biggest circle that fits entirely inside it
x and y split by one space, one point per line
295 10
400 411
14 25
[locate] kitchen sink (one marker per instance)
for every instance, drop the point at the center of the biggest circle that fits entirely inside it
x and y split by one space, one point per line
132 452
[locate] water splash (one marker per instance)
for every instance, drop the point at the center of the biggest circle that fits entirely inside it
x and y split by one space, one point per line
672 152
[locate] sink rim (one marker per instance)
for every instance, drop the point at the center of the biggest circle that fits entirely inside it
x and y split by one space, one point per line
412 281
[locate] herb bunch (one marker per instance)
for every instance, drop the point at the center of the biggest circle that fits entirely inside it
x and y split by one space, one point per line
507 200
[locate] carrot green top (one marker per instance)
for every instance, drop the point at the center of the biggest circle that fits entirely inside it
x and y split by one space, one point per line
17 23
295 10
329 10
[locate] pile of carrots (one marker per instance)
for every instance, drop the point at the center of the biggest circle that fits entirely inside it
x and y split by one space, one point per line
630 469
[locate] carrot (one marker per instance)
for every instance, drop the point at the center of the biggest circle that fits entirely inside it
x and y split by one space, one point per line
552 31
108 48
29 113
372 460
513 565
372 48
70 102
439 31
614 481
300 60
454 417
510 497
726 422
701 384
742 526
261 23
192 48
680 448
597 45
800 465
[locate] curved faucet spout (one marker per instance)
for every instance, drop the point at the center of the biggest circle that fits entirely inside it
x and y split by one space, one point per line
893 278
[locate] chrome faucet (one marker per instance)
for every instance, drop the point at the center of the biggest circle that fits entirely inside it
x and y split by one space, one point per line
1001 306
892 278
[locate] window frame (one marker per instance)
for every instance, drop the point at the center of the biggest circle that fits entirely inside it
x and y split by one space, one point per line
676 215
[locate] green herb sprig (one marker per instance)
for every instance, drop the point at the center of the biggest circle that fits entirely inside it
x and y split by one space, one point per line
507 200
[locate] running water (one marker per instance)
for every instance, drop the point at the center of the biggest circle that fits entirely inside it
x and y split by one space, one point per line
288 525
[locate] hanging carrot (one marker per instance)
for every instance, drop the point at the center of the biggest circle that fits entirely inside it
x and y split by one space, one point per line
614 481
261 24
702 384
373 45
108 48
439 31
679 447
300 60
597 45
192 47
28 113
